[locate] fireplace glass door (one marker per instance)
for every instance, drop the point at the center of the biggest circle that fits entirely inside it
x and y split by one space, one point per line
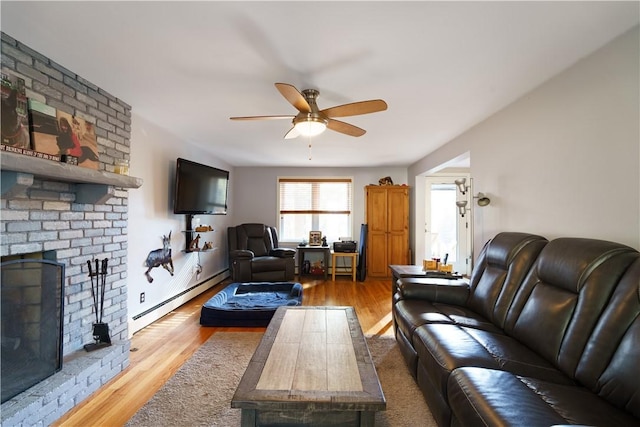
32 309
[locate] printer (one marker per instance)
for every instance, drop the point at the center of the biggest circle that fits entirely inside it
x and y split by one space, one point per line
345 246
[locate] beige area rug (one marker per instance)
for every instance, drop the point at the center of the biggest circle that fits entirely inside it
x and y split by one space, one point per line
200 393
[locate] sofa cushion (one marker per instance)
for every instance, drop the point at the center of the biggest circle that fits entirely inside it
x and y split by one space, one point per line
418 304
497 276
479 396
485 397
442 348
501 267
610 363
268 263
556 310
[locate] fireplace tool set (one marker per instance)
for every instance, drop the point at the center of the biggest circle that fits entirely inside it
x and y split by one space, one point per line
100 329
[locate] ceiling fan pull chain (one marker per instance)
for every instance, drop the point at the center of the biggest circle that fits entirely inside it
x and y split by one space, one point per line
309 148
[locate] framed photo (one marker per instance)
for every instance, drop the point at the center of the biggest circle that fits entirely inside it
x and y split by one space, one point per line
315 238
15 119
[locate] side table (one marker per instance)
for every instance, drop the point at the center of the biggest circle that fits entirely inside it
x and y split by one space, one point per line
304 249
402 271
334 264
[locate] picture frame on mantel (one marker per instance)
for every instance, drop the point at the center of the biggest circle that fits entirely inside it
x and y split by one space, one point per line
315 238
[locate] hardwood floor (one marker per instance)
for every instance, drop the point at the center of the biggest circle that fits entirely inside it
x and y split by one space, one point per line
161 348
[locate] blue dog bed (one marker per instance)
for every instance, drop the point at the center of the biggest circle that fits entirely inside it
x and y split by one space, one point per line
249 304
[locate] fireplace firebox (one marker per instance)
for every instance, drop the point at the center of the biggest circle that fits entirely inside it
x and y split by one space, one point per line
32 295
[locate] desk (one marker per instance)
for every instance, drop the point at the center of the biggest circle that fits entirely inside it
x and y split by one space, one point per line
304 249
334 264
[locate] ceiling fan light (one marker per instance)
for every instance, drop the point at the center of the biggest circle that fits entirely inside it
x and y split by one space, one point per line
310 127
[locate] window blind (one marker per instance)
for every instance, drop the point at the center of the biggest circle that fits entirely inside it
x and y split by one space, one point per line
315 195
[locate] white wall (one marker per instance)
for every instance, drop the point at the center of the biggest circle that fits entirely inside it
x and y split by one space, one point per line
153 157
564 160
256 197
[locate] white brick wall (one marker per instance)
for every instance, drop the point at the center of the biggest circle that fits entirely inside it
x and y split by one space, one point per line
46 217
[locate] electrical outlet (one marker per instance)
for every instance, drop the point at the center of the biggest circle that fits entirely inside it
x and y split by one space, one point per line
141 297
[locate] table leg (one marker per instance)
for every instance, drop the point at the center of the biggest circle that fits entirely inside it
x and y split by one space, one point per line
367 419
334 259
248 418
353 268
326 263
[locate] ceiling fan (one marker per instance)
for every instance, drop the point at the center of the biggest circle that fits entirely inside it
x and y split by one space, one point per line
311 121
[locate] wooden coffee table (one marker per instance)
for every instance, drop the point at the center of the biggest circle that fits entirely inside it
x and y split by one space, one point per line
312 367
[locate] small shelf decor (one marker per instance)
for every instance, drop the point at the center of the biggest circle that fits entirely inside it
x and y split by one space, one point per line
315 238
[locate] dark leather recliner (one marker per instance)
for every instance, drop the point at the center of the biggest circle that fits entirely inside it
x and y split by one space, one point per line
546 333
254 255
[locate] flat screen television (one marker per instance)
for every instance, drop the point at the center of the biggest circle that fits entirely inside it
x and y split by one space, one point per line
200 189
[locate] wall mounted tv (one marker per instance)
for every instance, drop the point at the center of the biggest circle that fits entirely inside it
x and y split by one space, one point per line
200 189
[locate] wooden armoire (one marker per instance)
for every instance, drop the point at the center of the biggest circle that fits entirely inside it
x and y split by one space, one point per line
387 217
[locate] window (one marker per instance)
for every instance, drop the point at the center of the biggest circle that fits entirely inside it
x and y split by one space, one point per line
307 204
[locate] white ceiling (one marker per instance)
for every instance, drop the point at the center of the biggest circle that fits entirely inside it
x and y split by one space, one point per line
442 67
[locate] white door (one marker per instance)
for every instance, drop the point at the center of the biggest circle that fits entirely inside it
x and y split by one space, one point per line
447 233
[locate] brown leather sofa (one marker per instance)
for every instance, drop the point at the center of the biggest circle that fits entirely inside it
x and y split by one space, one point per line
254 255
545 333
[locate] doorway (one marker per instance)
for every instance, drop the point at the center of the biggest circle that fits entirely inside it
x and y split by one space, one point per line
447 234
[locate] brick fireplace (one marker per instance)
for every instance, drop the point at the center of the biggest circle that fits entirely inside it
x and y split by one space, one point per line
81 215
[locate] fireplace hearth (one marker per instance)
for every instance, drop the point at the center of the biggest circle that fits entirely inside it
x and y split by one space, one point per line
32 312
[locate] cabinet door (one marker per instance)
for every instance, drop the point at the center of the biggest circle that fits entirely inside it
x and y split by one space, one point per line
398 226
377 262
397 210
377 231
377 209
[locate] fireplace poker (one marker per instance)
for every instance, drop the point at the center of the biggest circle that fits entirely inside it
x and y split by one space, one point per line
100 330
104 285
94 288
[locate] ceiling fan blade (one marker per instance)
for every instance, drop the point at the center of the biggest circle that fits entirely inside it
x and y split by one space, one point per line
356 108
262 118
292 133
345 128
294 97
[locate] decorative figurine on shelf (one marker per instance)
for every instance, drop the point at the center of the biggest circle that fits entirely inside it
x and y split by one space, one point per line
160 257
385 181
208 246
204 228
324 241
195 244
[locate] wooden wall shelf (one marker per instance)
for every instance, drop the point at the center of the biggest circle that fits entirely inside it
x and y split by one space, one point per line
94 186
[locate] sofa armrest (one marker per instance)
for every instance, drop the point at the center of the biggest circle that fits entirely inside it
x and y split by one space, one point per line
444 291
282 252
241 254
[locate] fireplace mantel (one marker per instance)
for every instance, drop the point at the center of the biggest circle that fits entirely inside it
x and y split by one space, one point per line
19 170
